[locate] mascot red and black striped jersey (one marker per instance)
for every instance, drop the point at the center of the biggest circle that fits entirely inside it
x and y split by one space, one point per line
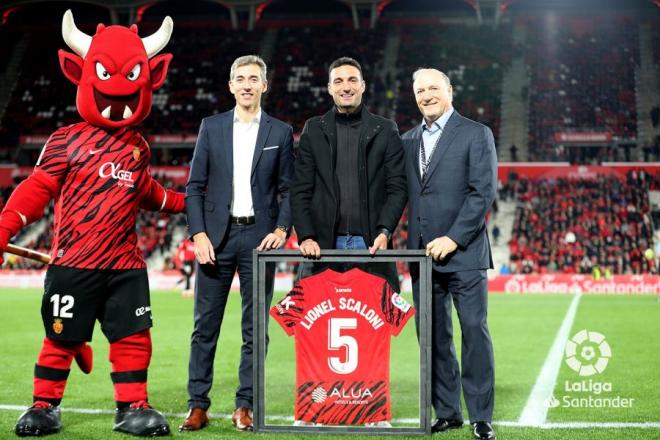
97 171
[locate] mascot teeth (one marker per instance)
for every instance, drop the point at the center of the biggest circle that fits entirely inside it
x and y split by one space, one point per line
127 112
106 113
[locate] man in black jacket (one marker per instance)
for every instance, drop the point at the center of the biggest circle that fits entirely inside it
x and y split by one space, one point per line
349 189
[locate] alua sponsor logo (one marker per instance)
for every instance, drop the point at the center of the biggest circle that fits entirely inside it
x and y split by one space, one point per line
351 393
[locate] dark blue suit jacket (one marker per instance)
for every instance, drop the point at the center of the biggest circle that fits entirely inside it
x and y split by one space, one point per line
209 187
455 194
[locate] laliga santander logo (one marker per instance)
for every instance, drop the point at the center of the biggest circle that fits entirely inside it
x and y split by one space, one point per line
513 286
587 353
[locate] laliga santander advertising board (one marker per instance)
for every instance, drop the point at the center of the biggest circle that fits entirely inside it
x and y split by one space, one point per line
571 283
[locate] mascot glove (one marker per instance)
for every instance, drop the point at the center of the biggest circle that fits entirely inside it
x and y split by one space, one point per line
10 223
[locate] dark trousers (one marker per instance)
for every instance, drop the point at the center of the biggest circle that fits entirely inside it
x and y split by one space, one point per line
468 290
211 294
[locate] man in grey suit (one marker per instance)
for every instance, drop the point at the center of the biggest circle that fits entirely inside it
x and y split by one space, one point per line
451 168
242 165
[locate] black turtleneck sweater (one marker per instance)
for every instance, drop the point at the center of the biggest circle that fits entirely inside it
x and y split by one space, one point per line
348 138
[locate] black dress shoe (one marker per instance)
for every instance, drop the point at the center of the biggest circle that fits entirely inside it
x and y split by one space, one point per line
483 431
442 425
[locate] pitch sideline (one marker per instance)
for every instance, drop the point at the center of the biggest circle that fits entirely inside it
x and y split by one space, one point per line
536 410
509 424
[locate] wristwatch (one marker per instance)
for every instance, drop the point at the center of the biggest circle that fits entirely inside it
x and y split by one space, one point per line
283 229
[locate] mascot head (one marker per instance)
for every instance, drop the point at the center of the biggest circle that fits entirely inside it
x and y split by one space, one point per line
116 71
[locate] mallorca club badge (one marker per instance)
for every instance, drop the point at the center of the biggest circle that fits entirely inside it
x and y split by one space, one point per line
58 326
136 153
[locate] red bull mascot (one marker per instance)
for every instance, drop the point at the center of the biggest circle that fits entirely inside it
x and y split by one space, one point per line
97 173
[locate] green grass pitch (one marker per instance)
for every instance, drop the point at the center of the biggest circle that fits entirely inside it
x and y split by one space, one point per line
523 328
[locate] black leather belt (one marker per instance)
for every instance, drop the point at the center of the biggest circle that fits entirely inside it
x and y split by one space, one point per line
242 220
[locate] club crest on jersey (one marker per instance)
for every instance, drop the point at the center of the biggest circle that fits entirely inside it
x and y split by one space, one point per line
58 327
136 153
400 303
123 177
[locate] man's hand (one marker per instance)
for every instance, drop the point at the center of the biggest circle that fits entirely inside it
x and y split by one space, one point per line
379 243
440 248
204 251
274 240
310 248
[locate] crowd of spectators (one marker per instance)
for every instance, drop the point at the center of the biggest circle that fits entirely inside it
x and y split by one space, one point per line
560 225
583 225
582 79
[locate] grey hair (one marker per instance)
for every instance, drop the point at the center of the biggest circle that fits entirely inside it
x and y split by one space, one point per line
247 60
445 77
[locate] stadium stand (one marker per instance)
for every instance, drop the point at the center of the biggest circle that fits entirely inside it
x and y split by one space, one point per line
583 79
299 89
197 83
44 100
574 225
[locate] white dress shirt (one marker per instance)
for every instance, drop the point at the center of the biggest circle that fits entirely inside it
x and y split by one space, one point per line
245 139
431 136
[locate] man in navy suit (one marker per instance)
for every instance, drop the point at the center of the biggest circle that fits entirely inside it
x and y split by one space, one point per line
237 199
451 168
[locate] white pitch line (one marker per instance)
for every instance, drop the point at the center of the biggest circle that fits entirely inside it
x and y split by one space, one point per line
505 423
536 409
583 425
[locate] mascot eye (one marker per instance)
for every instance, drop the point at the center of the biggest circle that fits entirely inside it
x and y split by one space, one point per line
135 73
101 72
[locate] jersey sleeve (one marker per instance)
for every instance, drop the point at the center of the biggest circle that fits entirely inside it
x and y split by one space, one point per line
397 311
54 157
289 310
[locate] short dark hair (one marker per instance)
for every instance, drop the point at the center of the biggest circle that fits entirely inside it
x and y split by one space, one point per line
345 61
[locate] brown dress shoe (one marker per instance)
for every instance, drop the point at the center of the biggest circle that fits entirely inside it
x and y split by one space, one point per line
242 419
195 420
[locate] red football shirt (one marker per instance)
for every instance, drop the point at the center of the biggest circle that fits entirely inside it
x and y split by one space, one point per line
342 323
101 176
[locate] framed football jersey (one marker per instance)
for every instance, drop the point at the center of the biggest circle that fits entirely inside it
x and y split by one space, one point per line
341 356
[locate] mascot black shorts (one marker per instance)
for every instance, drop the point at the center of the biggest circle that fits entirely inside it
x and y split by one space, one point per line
75 298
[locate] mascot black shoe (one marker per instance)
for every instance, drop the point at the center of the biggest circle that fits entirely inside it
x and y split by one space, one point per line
42 418
141 419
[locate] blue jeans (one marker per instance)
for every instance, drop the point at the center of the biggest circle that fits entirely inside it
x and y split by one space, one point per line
350 242
341 242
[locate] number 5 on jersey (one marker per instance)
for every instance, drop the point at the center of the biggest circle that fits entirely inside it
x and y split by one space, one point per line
337 341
